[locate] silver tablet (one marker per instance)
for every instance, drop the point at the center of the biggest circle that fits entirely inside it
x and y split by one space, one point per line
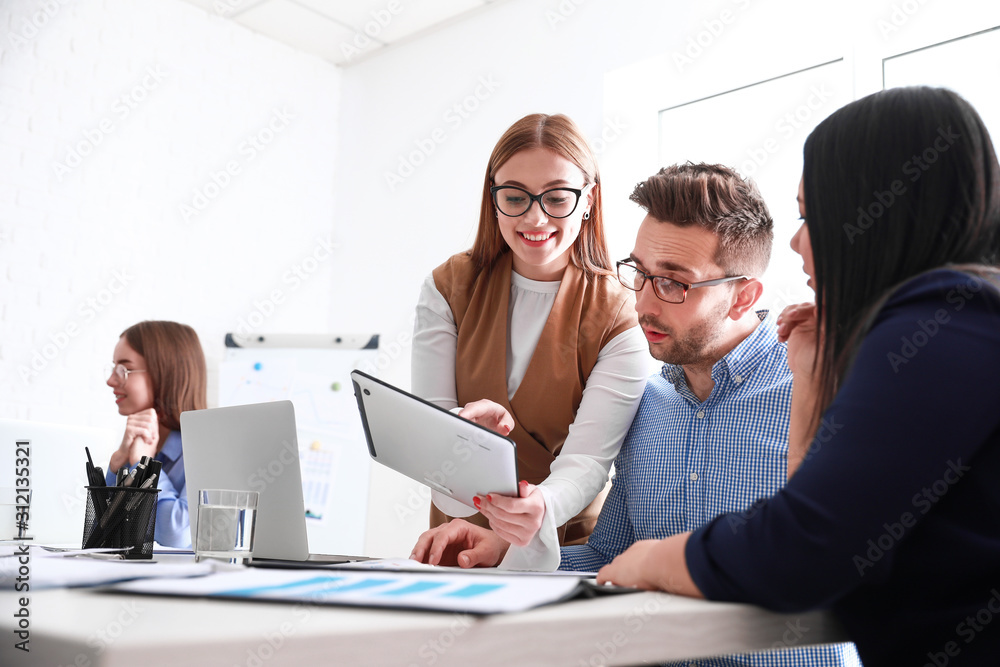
433 446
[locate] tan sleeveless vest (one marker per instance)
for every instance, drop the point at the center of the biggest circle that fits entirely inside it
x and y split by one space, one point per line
586 315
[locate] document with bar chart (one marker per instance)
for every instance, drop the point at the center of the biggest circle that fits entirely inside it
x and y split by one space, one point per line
459 592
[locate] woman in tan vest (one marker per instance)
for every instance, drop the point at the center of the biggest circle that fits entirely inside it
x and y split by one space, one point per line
531 318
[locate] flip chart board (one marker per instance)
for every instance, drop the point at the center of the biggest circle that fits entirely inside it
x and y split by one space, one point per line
313 371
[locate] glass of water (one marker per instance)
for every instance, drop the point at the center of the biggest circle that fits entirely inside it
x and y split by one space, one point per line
226 521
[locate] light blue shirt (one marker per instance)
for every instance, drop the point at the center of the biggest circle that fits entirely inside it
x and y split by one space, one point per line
685 461
173 525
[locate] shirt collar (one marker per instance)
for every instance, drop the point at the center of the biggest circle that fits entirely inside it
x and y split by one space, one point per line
171 449
742 359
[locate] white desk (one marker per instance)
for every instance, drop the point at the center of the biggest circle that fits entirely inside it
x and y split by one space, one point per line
89 629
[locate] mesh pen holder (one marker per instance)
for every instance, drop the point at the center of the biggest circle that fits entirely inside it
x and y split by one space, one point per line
120 518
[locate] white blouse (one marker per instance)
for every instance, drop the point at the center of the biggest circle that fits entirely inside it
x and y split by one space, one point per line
610 400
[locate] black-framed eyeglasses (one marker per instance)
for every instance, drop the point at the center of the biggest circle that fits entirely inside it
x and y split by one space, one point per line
121 373
665 289
514 202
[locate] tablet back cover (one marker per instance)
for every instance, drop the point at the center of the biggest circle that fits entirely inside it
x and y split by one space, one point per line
433 446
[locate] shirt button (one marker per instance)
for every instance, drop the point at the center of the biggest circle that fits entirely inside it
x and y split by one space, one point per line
694 477
738 379
701 414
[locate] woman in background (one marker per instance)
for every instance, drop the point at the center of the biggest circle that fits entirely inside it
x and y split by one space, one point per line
532 318
158 372
891 517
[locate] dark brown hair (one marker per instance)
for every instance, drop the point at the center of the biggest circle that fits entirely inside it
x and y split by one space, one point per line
560 135
176 366
718 199
877 218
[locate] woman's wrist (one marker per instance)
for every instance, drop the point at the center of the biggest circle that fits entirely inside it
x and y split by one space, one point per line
669 562
801 423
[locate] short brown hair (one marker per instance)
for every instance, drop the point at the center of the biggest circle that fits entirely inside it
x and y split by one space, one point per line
560 135
176 366
718 199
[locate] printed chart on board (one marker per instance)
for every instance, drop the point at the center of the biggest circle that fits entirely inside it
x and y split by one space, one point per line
313 371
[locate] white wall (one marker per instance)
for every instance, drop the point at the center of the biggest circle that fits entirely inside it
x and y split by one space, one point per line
162 98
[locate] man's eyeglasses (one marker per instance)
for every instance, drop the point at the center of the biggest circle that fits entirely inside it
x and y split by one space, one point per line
120 373
556 203
665 289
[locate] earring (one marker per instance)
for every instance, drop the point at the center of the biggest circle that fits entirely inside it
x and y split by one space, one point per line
586 215
497 211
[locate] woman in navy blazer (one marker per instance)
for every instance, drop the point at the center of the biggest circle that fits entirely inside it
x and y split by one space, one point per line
891 517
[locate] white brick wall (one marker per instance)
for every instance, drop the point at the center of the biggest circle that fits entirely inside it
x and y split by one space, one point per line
161 96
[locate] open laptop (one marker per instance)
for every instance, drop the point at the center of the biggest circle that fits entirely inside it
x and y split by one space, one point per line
56 463
253 448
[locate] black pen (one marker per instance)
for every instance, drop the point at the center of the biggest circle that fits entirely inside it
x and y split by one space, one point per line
137 497
140 473
119 499
95 477
116 514
154 467
111 517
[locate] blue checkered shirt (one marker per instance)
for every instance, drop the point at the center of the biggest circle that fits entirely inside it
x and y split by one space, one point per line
685 462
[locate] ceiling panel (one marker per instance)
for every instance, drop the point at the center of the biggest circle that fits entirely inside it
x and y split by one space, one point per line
356 12
341 31
300 27
225 7
376 19
429 16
